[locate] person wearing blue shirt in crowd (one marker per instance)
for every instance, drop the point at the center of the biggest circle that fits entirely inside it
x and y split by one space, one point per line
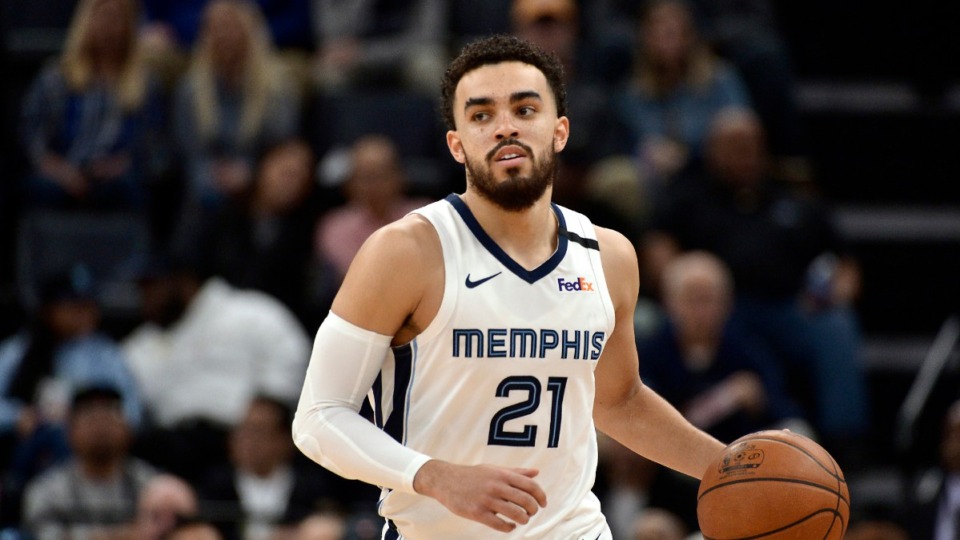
678 86
40 367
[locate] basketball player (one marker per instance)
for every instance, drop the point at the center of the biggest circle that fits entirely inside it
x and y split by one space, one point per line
494 332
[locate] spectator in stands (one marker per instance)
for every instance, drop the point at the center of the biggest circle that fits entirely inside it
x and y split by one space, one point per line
934 499
322 526
262 488
375 196
233 102
881 530
96 491
194 530
745 32
769 238
678 86
554 25
264 240
61 350
723 381
205 350
175 24
366 42
165 500
92 121
625 481
658 524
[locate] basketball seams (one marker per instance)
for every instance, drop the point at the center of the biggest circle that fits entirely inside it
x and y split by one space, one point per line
821 487
780 529
813 458
785 479
843 523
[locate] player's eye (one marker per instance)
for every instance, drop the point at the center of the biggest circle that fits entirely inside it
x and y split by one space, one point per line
526 110
480 116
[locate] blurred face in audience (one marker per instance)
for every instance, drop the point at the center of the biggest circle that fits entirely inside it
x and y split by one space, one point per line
736 149
321 527
197 531
950 444
98 431
697 297
376 181
556 34
656 524
226 34
161 502
285 177
261 442
667 34
109 29
160 300
71 319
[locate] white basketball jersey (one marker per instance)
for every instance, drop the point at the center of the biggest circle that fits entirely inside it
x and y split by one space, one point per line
503 375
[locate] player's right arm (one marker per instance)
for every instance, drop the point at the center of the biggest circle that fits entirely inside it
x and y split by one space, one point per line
391 292
379 293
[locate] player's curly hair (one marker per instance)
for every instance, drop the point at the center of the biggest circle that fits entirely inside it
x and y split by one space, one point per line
494 50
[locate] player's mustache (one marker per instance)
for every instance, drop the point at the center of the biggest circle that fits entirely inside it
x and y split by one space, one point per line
510 142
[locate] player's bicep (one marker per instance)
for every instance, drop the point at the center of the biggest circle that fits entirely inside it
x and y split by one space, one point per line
617 374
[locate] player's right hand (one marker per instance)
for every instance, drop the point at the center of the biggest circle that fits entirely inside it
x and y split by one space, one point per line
500 498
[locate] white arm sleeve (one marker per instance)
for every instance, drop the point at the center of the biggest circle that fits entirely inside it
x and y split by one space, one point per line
327 427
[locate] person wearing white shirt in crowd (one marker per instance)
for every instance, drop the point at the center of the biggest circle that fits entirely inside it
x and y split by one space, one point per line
205 350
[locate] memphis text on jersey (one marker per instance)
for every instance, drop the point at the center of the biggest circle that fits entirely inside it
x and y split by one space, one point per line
527 343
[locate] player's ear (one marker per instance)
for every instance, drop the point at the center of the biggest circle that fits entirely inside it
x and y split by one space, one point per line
561 132
455 145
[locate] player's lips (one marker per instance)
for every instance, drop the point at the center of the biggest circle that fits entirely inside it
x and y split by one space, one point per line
510 155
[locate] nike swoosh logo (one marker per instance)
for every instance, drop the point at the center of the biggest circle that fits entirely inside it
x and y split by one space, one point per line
472 284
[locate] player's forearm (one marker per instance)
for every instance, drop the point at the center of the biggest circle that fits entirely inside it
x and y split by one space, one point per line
653 428
347 444
346 359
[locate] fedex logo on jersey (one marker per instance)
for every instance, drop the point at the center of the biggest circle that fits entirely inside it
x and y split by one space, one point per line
581 284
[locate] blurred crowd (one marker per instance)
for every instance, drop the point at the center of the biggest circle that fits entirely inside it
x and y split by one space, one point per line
256 145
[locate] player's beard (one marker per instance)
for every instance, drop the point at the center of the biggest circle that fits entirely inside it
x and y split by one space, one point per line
516 193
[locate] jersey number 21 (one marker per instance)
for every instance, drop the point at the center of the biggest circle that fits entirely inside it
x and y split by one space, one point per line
528 435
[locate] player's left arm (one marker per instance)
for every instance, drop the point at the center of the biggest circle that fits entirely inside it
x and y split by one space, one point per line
624 408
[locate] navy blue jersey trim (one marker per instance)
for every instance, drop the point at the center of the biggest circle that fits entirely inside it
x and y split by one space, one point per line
588 243
530 276
403 369
377 390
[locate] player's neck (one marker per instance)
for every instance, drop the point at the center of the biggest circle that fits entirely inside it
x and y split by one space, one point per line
529 237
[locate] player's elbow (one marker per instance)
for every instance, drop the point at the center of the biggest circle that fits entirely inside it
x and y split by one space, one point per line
315 436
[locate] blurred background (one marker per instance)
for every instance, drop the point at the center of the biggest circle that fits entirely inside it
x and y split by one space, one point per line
786 170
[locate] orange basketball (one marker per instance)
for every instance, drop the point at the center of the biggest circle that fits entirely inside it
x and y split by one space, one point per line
776 485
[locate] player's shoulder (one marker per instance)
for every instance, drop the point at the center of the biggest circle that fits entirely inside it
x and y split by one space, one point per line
404 249
619 259
412 236
615 246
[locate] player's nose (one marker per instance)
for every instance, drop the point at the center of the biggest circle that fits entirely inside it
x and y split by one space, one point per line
506 127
